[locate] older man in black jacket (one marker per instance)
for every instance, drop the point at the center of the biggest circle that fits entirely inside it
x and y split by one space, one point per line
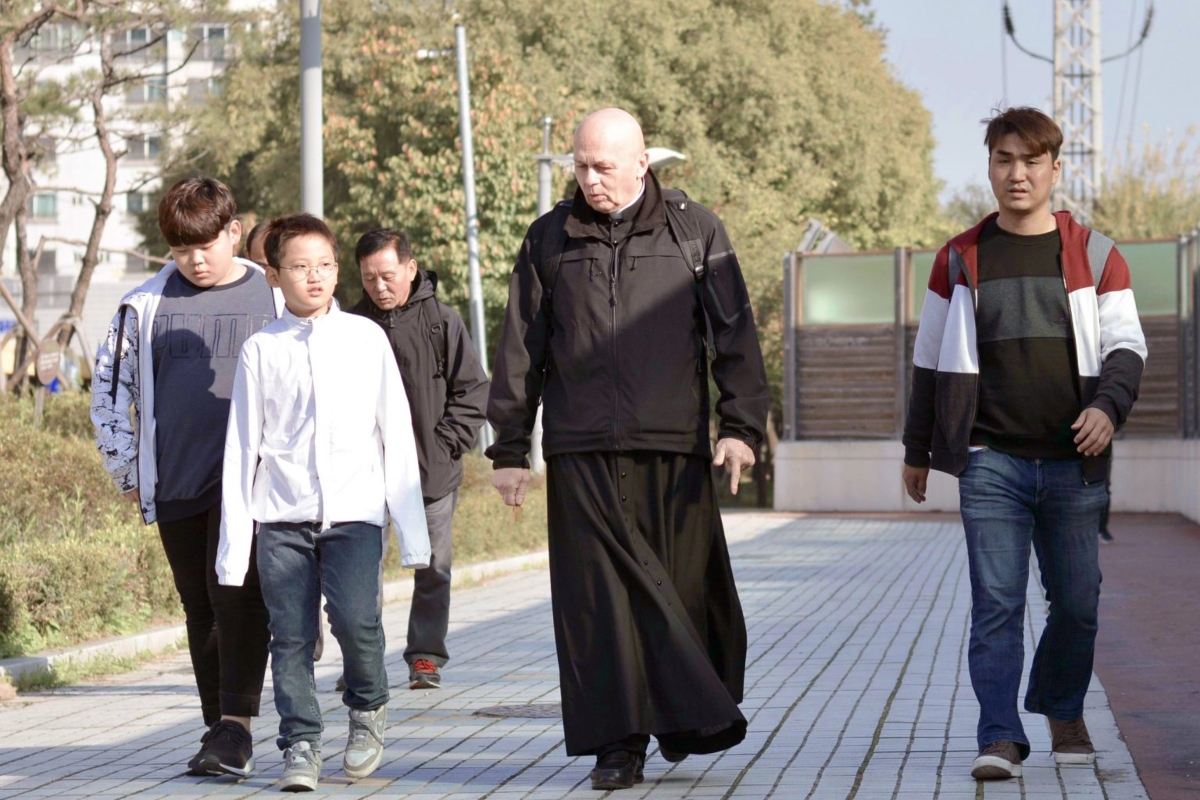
606 325
446 389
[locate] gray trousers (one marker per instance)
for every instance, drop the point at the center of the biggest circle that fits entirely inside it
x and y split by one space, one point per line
429 615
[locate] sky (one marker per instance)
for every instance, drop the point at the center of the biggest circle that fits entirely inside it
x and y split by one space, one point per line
954 52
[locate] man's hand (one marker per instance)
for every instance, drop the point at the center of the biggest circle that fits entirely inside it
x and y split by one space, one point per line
511 483
133 495
735 455
1095 431
915 481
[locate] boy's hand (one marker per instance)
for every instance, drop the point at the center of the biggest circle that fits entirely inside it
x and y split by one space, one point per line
1095 431
735 455
132 495
511 483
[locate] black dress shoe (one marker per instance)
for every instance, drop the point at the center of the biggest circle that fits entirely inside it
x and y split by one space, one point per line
618 770
671 755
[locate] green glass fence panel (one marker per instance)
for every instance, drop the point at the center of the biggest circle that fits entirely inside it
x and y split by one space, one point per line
852 289
1152 270
920 265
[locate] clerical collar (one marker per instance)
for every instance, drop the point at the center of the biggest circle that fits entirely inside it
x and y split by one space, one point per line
619 214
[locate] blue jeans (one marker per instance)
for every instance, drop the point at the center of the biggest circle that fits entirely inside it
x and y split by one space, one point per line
297 562
1009 504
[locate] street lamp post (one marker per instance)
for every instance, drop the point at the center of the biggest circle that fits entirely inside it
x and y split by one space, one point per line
474 284
312 159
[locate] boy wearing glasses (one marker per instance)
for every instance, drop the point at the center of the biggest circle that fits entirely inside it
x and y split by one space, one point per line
160 402
320 453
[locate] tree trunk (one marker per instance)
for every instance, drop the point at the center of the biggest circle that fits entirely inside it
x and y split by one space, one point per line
91 253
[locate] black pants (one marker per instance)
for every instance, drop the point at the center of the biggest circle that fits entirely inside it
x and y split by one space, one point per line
229 620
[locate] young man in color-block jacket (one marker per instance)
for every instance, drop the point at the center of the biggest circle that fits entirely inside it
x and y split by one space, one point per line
1028 356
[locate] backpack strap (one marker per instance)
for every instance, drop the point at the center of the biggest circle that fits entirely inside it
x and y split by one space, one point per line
549 256
682 223
112 390
440 330
686 232
550 251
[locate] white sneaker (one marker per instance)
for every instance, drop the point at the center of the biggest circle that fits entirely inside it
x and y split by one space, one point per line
364 743
301 768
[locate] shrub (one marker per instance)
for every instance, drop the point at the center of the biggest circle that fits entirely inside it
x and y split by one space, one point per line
79 564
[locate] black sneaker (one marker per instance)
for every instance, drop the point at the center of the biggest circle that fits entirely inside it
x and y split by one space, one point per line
194 769
228 749
423 674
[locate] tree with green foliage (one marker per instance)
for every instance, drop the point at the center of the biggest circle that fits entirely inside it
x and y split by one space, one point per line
785 109
391 142
1154 194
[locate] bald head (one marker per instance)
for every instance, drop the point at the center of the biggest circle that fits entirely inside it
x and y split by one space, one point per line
610 159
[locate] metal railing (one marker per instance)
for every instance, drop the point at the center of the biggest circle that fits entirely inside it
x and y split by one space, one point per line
850 321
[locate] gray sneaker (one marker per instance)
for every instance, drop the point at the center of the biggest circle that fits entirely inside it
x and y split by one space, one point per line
364 743
301 768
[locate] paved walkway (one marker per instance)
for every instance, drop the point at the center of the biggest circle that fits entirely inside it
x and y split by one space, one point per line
856 688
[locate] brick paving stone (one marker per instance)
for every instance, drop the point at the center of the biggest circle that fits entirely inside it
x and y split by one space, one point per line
856 688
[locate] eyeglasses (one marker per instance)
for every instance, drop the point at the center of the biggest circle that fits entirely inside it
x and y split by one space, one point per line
301 272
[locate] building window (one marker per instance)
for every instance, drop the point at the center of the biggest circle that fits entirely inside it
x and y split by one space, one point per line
43 207
209 41
53 43
45 150
135 263
48 262
136 202
150 90
139 43
200 89
144 148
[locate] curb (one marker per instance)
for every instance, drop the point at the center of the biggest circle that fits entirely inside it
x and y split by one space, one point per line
160 639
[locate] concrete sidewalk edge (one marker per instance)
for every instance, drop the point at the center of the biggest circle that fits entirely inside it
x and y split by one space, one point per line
159 639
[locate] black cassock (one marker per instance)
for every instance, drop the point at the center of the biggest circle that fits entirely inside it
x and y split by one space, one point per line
650 632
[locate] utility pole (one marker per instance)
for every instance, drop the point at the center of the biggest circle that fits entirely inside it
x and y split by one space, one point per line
1078 102
474 284
545 201
312 158
1078 97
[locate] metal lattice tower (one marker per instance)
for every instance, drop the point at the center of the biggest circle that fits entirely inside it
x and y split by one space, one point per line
1077 103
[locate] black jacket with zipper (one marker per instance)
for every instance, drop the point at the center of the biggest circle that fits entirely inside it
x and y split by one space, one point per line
618 358
446 386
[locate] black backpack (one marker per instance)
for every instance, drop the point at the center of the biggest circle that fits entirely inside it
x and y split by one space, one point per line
683 227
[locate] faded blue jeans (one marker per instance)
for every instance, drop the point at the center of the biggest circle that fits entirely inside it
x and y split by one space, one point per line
297 562
1009 505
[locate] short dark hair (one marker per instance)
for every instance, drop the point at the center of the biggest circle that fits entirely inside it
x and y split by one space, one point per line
195 211
260 229
372 242
1035 128
293 226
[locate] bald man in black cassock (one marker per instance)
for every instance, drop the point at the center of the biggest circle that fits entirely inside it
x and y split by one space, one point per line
650 633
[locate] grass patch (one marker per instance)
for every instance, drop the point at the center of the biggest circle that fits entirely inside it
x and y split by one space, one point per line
70 671
78 563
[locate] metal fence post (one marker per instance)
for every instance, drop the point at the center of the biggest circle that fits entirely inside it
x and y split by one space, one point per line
901 337
789 347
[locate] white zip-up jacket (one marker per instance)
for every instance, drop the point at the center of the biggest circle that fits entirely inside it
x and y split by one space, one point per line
123 390
319 430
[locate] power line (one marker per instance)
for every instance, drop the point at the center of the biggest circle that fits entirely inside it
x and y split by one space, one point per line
1124 79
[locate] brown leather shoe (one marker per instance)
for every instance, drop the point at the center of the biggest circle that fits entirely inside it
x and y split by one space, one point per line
1070 741
620 769
997 761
